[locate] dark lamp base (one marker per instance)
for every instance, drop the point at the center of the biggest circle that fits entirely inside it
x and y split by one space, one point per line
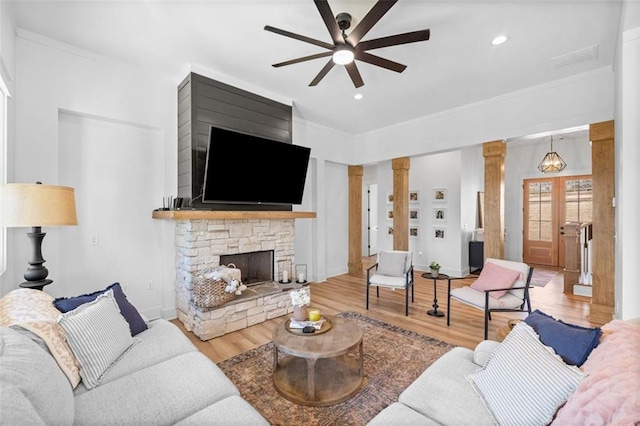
35 285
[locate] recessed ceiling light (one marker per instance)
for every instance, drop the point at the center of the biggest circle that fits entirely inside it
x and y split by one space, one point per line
499 40
358 96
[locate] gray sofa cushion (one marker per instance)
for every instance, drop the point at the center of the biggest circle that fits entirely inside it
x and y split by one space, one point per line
398 414
161 394
231 411
28 370
438 392
160 342
16 409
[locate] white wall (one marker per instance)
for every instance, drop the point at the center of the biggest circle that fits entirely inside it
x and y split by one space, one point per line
7 69
627 153
426 174
337 211
7 46
576 101
55 78
113 201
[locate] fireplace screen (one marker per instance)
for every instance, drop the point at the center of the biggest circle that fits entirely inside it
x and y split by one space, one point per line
256 267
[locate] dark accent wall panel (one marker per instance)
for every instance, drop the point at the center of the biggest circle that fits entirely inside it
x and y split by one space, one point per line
202 103
184 138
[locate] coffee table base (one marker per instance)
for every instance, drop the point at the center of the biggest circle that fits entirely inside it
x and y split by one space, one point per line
435 313
318 383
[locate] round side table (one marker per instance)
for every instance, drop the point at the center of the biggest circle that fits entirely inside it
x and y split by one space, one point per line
435 312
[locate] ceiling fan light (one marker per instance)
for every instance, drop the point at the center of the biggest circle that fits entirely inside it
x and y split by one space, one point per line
499 40
343 56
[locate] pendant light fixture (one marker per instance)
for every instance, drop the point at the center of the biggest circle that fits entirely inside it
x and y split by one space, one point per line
552 162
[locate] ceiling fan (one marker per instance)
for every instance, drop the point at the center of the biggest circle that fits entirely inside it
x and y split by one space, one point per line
347 47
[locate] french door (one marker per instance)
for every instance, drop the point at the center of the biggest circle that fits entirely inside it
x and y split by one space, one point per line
549 202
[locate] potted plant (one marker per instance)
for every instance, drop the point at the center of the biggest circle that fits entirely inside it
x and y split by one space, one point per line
435 269
300 300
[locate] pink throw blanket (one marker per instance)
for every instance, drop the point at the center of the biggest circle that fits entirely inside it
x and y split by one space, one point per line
610 394
33 310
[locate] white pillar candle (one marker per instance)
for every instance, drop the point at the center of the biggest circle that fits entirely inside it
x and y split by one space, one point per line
301 277
285 275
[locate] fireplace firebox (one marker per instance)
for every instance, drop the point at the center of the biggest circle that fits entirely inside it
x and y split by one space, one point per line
256 267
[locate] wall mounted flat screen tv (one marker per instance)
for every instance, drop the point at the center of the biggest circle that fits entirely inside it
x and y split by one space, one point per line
246 169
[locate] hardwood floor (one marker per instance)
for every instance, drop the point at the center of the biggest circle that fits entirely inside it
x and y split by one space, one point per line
347 293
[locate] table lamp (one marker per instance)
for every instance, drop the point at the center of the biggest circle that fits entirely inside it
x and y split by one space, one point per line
36 205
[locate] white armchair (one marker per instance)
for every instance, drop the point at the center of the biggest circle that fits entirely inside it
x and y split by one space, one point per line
394 270
503 286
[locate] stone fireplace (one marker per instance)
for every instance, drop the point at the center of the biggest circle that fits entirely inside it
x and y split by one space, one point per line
260 248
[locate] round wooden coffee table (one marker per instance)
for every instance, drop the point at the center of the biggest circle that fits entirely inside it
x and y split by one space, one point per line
318 369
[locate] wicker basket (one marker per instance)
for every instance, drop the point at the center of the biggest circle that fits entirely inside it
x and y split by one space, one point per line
209 292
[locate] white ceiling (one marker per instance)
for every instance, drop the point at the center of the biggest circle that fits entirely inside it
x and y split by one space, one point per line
457 66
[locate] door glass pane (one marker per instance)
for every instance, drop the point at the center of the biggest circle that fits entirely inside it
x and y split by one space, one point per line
546 231
579 196
534 210
540 211
534 231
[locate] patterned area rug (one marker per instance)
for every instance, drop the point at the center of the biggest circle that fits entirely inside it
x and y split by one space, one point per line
542 277
393 358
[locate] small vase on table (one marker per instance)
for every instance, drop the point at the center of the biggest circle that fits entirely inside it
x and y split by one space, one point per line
300 313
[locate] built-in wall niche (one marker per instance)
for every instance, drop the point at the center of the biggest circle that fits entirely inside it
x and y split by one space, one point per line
202 103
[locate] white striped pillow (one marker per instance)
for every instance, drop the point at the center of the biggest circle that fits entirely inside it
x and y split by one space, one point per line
524 382
98 335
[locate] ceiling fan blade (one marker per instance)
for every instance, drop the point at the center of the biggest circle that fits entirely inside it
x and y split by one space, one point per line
381 62
394 40
370 19
322 73
329 20
352 69
302 59
299 37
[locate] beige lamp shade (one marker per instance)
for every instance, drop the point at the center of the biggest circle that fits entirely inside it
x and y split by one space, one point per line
32 204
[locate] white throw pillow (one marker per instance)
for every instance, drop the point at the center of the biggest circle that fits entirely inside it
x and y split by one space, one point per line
98 335
483 351
524 382
391 263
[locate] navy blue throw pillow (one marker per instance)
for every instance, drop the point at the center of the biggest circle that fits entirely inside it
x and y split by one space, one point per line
572 342
128 311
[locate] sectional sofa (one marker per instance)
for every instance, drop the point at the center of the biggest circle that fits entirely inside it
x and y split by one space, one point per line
160 378
524 382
